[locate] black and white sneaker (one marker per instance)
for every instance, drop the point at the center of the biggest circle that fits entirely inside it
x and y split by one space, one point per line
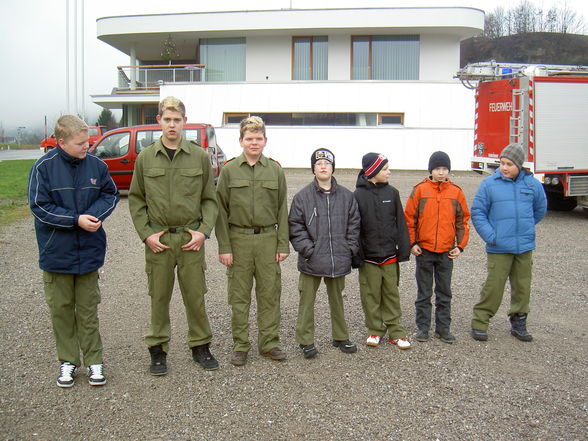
96 375
67 374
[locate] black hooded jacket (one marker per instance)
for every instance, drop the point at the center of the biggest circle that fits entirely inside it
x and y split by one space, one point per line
383 226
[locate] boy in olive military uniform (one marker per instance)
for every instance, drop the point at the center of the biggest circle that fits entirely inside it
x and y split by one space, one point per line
173 206
252 233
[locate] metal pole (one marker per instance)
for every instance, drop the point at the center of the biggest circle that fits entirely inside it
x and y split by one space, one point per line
67 25
83 67
75 56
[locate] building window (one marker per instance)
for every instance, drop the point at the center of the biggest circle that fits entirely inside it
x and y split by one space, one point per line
385 57
149 113
223 58
321 119
234 118
385 119
309 58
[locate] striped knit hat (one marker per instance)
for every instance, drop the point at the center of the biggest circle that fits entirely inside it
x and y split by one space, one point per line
515 153
372 163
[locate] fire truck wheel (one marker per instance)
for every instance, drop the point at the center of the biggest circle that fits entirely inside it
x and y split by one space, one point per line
557 202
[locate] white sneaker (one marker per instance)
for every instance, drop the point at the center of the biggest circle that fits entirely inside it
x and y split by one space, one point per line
96 375
402 343
67 374
373 340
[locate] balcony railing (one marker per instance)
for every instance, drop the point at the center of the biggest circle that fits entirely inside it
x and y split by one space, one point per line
152 76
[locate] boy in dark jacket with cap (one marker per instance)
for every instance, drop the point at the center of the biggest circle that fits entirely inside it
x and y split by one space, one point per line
70 195
506 208
324 229
437 217
383 244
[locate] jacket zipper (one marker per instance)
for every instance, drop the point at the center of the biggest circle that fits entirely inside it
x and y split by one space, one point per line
330 237
438 214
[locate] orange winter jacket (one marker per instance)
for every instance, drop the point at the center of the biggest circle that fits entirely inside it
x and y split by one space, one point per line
437 216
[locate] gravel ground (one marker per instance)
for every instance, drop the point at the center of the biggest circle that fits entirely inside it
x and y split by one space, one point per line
499 390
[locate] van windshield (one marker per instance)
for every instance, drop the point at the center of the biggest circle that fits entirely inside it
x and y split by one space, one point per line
148 137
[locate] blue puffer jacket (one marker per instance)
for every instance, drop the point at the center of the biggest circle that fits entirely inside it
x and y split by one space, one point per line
61 188
505 212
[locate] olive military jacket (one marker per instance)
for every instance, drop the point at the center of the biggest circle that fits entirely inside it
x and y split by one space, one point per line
173 193
252 197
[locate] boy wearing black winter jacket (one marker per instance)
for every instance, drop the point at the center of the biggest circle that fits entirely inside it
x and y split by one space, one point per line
324 229
384 243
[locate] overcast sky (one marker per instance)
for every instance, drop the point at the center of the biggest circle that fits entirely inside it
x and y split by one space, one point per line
33 66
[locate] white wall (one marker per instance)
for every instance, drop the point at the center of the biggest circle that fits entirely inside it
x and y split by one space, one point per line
439 57
407 149
437 116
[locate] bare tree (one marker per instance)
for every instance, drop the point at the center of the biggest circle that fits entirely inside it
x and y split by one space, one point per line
568 21
525 17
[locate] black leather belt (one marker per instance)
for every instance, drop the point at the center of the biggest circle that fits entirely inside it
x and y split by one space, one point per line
253 230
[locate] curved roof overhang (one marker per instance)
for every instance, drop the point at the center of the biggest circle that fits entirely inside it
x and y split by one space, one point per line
147 32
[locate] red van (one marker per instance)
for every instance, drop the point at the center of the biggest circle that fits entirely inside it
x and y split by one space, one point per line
119 148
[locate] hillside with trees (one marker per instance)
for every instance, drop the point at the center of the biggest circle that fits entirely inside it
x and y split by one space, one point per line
528 34
532 48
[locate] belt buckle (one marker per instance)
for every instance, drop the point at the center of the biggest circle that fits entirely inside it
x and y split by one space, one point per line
172 230
256 230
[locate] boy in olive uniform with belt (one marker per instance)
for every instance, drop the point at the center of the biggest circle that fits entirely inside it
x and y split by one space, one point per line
173 206
252 233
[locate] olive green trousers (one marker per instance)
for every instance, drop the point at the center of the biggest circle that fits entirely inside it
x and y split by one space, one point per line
254 257
518 269
73 304
380 299
161 271
307 287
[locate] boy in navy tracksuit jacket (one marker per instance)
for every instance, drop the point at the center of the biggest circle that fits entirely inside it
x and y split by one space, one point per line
70 194
506 209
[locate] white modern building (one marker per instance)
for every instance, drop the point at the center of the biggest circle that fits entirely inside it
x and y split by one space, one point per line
353 80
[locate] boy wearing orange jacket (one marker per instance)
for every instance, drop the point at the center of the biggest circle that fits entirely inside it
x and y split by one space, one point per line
437 217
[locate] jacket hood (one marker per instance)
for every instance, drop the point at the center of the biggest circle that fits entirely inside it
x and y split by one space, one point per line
67 157
362 181
334 185
522 175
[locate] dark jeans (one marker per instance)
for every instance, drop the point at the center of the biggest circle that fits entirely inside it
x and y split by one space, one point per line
439 266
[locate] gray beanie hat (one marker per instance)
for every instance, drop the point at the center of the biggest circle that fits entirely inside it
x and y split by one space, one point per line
515 153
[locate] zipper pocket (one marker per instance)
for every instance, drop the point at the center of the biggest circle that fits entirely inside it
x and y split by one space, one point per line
312 216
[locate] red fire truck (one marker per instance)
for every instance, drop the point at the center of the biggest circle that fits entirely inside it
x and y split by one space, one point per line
543 108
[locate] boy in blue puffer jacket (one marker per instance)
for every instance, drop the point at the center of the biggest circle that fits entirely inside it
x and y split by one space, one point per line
506 208
70 195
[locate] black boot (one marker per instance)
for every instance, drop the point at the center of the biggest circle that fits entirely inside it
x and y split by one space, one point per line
201 355
518 324
158 361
